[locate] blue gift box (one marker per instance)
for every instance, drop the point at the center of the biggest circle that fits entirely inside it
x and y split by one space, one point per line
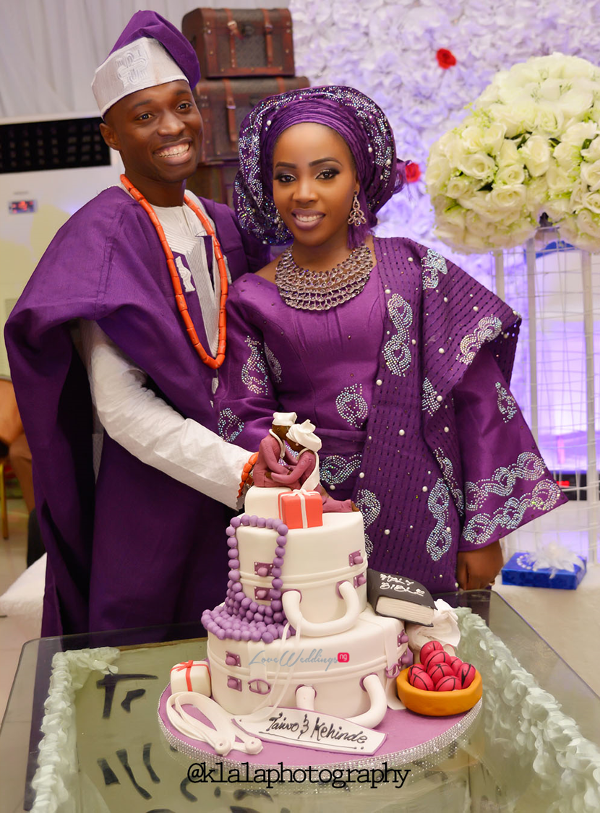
519 570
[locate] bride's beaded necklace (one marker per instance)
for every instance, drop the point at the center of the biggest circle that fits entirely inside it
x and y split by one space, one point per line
216 362
304 289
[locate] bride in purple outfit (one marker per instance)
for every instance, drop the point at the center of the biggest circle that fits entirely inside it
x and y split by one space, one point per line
400 358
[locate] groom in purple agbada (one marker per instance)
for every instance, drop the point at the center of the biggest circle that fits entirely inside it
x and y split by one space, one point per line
128 544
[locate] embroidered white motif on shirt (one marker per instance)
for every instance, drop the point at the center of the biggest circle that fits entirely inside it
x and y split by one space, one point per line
132 67
185 274
335 469
182 229
433 264
447 468
529 466
351 405
486 331
480 528
274 365
440 538
396 350
370 507
507 406
254 371
229 425
429 402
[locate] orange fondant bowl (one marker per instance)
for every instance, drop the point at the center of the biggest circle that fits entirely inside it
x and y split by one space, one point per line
438 704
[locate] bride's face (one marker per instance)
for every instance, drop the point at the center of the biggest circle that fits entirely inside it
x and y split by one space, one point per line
314 181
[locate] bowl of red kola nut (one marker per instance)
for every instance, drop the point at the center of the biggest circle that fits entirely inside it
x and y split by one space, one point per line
440 685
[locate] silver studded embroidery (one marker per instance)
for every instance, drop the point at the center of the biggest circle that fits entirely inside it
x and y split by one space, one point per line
229 425
447 468
529 466
370 507
274 365
396 351
132 67
480 528
433 264
351 405
292 453
507 405
486 331
440 538
254 371
335 469
429 402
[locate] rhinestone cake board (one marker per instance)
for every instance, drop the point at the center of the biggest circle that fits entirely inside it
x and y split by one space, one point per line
409 737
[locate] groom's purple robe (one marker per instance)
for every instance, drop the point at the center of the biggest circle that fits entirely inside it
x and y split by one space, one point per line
137 548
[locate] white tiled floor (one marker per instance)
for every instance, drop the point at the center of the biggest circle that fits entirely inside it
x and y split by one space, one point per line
13 635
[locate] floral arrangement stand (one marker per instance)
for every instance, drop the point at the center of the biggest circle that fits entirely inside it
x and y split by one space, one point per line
560 304
528 154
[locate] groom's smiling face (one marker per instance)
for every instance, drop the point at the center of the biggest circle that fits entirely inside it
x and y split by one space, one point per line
158 131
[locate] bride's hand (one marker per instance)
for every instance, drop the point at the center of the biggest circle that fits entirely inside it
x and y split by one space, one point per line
476 569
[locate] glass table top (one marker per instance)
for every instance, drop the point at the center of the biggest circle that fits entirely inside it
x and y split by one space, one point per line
535 744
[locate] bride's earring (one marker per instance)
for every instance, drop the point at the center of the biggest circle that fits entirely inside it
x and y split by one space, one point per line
356 216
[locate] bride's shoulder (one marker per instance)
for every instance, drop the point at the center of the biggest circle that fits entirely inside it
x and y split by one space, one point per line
410 248
268 272
249 290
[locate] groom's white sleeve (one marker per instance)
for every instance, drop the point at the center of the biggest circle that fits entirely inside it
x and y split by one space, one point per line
153 431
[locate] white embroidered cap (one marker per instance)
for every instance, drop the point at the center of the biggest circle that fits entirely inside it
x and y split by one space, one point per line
284 418
141 64
304 434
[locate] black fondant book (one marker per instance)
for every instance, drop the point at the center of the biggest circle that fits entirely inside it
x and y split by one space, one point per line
399 597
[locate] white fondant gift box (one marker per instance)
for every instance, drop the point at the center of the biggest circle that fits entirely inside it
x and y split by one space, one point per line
191 676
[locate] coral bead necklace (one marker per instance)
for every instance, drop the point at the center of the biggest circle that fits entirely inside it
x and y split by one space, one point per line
216 362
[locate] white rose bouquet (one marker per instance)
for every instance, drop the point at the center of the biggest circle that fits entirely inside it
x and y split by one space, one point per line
531 146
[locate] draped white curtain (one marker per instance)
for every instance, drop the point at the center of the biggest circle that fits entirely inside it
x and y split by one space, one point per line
49 49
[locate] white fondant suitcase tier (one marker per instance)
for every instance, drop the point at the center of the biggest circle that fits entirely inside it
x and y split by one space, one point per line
316 561
263 502
246 673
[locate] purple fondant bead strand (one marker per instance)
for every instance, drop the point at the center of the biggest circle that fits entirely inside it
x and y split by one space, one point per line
242 618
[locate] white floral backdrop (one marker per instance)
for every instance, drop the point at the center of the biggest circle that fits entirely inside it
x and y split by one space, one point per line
389 49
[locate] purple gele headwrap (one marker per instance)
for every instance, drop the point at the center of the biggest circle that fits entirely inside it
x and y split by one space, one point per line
361 123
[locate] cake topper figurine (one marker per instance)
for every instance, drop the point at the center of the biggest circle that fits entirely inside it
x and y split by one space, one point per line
305 474
288 457
272 453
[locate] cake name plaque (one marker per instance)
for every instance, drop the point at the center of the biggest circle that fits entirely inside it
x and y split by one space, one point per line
312 729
